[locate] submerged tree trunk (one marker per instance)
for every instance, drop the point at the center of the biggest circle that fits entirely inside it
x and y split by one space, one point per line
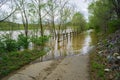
40 19
21 6
26 24
53 25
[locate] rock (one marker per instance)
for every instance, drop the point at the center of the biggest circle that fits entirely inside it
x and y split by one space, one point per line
111 59
100 52
115 54
118 57
106 70
98 43
115 67
110 48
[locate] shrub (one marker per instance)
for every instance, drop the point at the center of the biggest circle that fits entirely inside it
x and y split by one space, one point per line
2 48
113 25
39 41
15 60
23 41
7 44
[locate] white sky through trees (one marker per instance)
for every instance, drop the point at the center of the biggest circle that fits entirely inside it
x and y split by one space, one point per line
80 6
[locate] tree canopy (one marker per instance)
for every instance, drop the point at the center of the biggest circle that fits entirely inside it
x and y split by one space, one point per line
104 14
78 21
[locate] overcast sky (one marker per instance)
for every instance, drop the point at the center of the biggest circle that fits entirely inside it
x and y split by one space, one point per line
80 5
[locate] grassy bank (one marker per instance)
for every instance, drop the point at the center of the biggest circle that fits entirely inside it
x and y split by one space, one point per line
96 67
15 60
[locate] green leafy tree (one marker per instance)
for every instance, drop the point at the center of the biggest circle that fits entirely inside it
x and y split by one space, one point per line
104 15
7 44
78 22
101 12
23 41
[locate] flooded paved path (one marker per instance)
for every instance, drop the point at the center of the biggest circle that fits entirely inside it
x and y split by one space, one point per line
71 68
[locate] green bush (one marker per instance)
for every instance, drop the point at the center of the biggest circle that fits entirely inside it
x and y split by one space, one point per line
7 44
97 29
14 60
113 25
2 48
10 45
39 41
96 67
23 41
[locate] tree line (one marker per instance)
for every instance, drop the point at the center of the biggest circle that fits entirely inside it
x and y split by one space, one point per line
56 15
104 15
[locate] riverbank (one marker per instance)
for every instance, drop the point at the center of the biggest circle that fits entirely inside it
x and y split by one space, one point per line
105 61
15 60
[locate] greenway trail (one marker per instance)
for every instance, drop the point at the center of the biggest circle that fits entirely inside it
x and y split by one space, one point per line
67 61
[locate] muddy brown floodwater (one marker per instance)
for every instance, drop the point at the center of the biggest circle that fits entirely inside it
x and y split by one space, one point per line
79 44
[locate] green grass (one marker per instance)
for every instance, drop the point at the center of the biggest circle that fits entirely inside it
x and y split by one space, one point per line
12 61
97 67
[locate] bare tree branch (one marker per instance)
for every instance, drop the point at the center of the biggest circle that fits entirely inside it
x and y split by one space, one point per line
8 15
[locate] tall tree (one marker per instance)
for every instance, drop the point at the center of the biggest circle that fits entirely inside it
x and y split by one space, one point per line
78 22
63 16
51 9
39 6
21 4
101 12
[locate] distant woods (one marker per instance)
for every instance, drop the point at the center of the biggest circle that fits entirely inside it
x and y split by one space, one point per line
105 15
54 15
